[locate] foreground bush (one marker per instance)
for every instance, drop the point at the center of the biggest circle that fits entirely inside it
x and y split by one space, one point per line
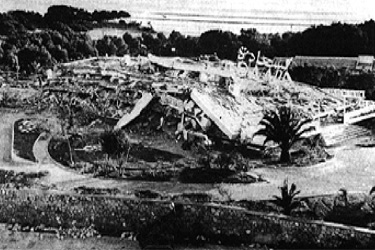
11 179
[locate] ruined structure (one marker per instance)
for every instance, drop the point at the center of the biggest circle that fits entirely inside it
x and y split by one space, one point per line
208 100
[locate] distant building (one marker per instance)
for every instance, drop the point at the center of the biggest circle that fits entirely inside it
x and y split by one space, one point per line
359 63
365 63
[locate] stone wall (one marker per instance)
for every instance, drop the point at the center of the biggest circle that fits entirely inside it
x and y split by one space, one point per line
216 223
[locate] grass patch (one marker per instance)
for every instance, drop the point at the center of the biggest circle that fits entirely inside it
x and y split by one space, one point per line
137 165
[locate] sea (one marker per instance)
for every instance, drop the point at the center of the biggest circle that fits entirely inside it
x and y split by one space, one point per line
195 24
194 17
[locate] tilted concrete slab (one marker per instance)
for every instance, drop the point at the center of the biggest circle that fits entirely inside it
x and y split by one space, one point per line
228 121
139 106
235 117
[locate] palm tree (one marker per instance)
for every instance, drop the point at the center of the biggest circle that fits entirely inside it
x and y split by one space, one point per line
284 127
287 199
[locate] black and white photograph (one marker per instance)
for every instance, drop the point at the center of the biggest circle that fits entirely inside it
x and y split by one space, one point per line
187 125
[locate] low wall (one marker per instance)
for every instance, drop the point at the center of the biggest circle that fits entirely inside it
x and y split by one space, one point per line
113 216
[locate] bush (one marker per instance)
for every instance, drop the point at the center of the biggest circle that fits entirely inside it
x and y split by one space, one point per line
114 142
97 191
11 179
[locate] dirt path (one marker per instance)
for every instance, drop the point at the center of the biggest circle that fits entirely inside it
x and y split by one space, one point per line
352 168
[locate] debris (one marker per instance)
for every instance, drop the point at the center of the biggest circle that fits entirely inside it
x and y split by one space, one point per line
232 99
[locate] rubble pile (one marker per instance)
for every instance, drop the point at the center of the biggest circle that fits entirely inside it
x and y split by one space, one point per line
308 99
198 95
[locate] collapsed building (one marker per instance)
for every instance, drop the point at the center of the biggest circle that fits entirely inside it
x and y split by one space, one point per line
199 94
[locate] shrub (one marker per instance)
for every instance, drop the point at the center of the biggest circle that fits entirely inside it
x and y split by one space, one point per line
114 142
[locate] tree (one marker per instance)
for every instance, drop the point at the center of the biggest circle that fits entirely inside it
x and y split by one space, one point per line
225 44
284 127
67 106
122 47
60 54
252 40
115 143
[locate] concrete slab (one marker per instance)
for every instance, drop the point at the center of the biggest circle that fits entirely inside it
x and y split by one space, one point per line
139 106
226 119
235 117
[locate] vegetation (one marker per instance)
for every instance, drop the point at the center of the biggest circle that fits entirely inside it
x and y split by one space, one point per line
67 110
11 179
32 41
37 41
284 127
287 199
96 191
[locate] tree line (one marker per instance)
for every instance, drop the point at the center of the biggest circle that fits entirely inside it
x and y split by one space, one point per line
30 40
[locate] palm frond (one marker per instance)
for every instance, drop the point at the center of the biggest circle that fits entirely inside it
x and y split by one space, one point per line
301 124
293 188
304 131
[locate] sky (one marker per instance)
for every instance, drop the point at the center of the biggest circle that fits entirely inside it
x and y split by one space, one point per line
193 16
